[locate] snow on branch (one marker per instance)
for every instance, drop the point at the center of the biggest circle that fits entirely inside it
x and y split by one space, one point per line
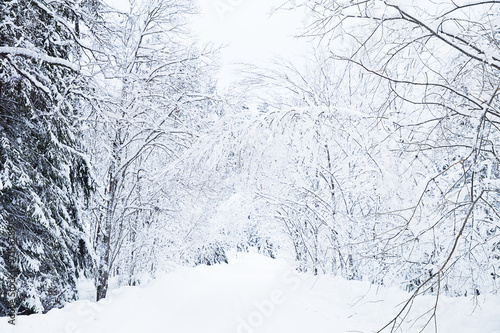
30 77
19 51
460 44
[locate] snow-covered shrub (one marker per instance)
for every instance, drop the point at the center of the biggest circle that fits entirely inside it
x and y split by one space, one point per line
211 254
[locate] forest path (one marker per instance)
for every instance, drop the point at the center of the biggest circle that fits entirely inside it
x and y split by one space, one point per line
254 294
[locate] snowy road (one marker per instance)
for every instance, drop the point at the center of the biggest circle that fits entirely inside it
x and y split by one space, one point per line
254 294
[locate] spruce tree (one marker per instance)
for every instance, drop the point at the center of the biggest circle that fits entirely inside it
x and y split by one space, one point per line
43 174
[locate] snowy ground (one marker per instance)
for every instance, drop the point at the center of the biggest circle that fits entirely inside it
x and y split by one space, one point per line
255 294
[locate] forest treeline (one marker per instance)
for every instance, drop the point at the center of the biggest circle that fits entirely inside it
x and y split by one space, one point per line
373 158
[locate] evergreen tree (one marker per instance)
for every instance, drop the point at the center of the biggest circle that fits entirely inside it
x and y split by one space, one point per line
42 171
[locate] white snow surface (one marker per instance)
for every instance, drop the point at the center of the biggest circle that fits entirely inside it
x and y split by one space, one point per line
257 294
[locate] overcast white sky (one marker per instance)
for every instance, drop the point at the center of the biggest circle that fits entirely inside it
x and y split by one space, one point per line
249 28
249 31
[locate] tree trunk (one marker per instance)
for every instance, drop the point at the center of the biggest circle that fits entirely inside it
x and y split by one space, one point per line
105 246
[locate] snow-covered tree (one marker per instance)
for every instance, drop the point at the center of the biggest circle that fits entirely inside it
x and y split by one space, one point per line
44 177
151 91
431 69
